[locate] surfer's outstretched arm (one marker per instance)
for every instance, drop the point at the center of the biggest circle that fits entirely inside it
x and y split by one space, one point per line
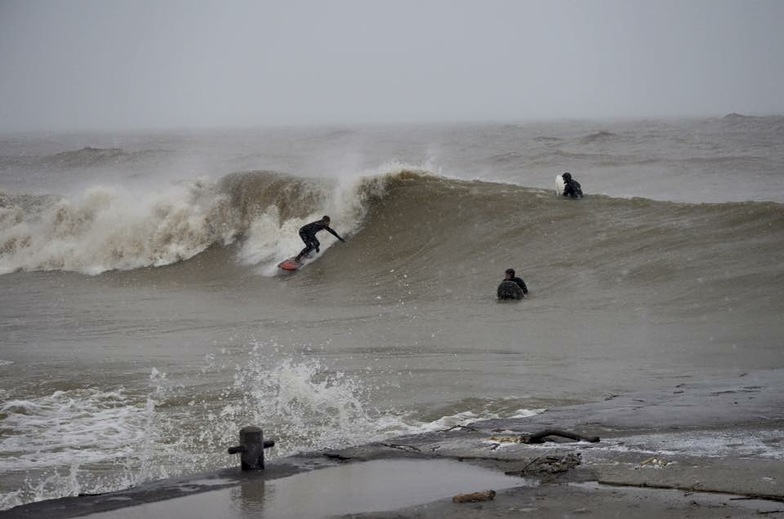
336 235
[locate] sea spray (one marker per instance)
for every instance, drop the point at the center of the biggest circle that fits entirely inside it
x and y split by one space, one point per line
301 403
112 228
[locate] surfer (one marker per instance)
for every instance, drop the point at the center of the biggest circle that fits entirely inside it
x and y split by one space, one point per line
512 287
571 186
509 275
308 234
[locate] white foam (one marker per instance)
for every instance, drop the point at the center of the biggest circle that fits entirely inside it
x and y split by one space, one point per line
108 228
85 440
760 444
270 239
70 427
756 444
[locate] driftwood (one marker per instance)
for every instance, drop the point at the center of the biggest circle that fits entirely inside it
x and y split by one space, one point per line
540 436
476 497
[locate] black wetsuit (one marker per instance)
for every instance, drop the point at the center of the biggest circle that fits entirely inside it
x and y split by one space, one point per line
512 288
572 188
308 235
521 284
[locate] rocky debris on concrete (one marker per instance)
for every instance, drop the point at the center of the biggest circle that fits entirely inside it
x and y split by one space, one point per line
475 497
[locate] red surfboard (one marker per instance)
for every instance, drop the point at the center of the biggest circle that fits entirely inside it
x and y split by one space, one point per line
290 264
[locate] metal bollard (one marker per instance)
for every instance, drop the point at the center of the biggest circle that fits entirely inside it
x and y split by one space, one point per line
251 448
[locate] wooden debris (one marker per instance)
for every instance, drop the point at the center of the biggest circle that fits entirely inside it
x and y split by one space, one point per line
541 436
476 497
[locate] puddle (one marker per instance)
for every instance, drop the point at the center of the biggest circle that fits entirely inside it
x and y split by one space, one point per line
371 486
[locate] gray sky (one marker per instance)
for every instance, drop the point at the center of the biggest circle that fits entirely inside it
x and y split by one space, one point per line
92 64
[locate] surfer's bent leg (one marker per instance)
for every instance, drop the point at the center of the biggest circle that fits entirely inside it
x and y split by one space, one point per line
311 243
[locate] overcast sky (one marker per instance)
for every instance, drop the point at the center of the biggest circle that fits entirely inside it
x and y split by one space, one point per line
92 64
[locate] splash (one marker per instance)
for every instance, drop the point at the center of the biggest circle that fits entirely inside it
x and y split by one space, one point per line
301 403
82 440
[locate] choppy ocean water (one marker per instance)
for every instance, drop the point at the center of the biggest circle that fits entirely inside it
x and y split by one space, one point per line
144 321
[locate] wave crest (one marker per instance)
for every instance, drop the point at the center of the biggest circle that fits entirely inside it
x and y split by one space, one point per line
112 229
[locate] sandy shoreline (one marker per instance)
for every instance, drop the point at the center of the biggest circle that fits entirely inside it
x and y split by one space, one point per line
706 449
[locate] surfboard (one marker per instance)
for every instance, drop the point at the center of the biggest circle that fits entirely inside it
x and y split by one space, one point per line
559 185
290 264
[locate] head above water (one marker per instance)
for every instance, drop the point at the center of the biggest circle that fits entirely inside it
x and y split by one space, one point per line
510 273
325 219
567 176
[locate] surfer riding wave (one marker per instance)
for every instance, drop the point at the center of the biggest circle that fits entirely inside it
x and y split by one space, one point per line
308 234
